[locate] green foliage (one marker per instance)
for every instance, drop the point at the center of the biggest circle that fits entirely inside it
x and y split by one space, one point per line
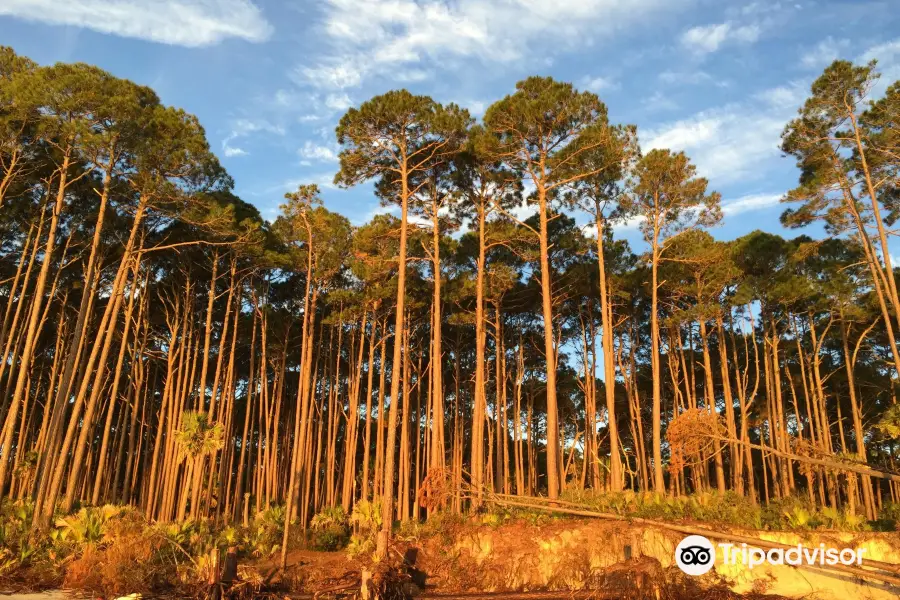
395 130
266 532
191 537
798 517
87 526
888 517
443 524
16 547
727 509
550 123
492 519
366 522
361 546
330 529
366 516
668 194
889 425
329 517
314 237
198 435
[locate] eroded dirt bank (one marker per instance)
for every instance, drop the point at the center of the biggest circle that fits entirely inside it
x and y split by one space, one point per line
580 554
595 559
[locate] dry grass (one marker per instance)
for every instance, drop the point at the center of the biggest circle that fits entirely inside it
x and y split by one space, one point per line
126 565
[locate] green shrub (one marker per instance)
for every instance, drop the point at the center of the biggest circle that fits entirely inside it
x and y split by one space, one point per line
330 539
366 522
266 532
330 530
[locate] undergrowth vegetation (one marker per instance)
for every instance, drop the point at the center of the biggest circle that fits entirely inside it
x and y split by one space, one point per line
115 550
784 514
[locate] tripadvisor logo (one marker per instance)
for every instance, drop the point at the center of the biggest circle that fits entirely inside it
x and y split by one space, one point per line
696 555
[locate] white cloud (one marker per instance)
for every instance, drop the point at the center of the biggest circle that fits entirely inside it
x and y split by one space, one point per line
285 99
338 75
317 152
686 134
302 106
338 102
824 53
476 107
705 39
232 151
750 203
730 143
658 102
730 208
886 52
411 75
361 218
242 128
684 78
599 84
888 56
524 211
323 180
630 224
397 38
757 8
179 22
789 96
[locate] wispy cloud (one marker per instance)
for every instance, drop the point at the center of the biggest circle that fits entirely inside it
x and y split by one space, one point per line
658 102
730 208
402 38
334 74
824 53
324 180
312 151
685 77
599 84
476 108
750 203
179 22
338 102
733 142
785 97
706 39
888 51
241 128
888 56
232 151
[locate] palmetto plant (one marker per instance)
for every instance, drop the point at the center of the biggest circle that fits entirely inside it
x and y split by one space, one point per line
198 436
798 518
87 526
366 520
366 516
333 516
265 533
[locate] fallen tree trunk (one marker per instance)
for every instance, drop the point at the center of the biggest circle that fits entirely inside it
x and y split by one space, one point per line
880 571
853 467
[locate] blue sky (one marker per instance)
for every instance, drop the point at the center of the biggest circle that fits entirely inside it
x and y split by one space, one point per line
270 78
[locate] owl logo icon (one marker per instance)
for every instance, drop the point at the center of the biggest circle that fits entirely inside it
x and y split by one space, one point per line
695 555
